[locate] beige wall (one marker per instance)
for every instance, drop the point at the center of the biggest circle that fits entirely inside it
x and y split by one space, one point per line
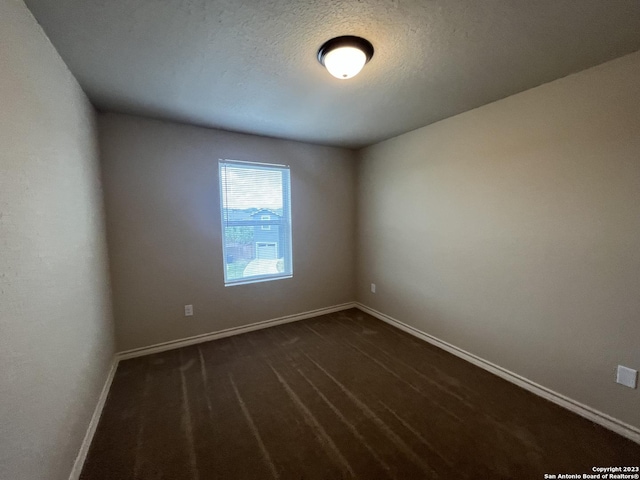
56 332
513 232
163 225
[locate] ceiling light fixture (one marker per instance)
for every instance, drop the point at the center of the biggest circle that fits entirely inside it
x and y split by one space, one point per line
345 56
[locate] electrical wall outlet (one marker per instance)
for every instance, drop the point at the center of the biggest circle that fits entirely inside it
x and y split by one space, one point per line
188 310
627 376
373 288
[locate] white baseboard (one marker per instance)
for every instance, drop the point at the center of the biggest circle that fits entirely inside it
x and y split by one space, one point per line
161 347
93 424
607 421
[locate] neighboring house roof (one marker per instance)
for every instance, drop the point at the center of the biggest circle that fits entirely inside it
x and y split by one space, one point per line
233 214
265 211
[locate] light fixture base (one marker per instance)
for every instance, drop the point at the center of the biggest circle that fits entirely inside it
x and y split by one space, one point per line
354 53
345 41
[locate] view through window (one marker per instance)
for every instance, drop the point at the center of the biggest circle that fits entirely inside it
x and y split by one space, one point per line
256 221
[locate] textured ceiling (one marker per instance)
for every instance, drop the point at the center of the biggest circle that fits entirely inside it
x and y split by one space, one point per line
250 65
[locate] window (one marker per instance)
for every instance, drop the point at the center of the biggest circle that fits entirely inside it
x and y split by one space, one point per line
256 221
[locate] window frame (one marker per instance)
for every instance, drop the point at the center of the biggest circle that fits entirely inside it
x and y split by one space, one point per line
284 222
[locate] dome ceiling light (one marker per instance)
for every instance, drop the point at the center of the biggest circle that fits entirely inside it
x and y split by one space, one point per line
345 56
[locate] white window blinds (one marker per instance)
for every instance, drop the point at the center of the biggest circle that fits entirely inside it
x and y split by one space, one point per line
256 221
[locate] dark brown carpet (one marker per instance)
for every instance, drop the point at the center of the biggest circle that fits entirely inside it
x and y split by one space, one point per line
338 396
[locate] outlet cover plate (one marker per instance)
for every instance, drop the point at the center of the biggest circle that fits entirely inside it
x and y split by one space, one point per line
627 376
